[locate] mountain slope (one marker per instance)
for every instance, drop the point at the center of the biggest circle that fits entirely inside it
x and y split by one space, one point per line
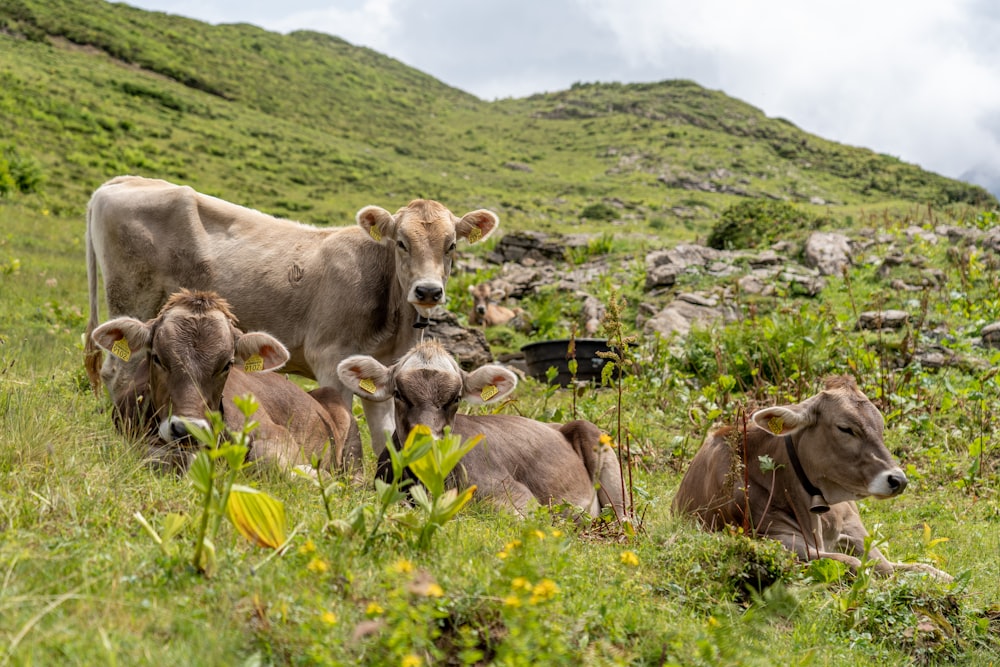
311 127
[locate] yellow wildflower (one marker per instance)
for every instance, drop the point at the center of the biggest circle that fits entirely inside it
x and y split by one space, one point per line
374 609
629 558
520 584
606 440
557 533
308 547
546 589
512 601
539 534
329 618
318 565
434 590
502 555
402 566
411 660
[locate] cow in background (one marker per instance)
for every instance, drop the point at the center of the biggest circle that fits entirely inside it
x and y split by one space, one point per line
520 460
325 293
827 453
166 373
487 310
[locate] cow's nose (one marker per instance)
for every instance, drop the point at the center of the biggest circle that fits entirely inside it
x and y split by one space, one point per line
428 293
481 310
897 482
178 429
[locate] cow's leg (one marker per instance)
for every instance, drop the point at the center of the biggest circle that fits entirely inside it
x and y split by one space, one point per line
381 421
507 494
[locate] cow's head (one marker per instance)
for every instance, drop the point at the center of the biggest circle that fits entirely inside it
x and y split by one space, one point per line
427 385
424 235
838 437
189 348
482 295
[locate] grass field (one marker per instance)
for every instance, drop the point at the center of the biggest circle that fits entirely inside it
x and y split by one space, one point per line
83 583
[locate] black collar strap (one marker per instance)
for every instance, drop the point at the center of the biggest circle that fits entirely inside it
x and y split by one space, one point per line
817 503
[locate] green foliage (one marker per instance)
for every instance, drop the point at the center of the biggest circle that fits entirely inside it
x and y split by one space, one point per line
19 173
256 515
431 460
753 223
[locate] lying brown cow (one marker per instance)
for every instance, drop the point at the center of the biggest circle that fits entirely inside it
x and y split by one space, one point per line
325 293
827 452
486 311
519 460
166 373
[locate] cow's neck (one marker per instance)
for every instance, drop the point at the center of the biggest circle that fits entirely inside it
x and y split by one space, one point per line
817 503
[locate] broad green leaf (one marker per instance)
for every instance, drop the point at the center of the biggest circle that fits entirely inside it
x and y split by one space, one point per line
257 516
172 525
149 529
450 503
207 562
200 472
419 495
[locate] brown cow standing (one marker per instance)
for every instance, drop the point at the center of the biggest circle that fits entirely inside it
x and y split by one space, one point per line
827 453
325 293
520 460
166 373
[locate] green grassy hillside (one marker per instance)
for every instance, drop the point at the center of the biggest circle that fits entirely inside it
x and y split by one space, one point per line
308 126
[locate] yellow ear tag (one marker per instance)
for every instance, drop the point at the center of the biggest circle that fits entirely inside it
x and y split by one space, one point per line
776 424
475 235
376 234
488 392
368 385
121 349
254 364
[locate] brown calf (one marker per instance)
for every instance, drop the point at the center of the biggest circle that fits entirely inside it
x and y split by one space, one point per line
485 309
827 453
166 373
520 460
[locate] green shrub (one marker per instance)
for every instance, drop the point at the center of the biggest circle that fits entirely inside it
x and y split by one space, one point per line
757 222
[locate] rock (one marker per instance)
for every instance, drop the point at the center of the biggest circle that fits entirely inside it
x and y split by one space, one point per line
678 317
468 346
829 252
883 319
991 335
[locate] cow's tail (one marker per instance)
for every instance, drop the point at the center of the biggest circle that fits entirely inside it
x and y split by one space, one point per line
91 352
601 463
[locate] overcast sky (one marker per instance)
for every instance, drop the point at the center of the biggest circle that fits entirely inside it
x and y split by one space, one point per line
919 80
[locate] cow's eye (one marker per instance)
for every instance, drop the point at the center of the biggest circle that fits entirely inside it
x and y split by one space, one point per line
452 247
398 395
401 246
155 358
846 429
225 367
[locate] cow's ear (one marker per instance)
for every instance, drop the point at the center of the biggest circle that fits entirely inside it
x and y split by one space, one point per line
781 420
366 377
377 222
488 384
478 225
257 351
123 337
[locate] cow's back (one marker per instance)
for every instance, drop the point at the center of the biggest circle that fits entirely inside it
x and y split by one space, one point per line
710 488
529 452
294 425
